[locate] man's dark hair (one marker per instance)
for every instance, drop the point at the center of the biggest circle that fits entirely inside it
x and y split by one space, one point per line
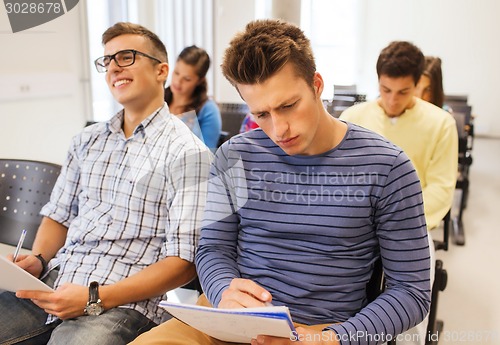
401 59
263 49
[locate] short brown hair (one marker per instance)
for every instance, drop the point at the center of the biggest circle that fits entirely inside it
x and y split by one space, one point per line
263 49
125 28
401 59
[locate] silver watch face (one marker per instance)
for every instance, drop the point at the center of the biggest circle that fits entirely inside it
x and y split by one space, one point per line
94 308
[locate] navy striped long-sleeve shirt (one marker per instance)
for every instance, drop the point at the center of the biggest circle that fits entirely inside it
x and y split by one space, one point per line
310 228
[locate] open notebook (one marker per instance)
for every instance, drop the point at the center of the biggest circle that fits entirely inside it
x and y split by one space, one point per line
234 325
14 278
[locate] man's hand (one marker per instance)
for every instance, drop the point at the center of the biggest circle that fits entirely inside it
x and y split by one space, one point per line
67 302
304 336
244 293
29 263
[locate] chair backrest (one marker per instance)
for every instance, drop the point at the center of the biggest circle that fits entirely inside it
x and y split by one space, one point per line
232 115
456 99
438 244
340 103
344 89
344 100
376 284
462 115
25 187
223 137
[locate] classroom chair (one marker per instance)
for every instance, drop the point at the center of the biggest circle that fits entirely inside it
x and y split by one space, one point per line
25 187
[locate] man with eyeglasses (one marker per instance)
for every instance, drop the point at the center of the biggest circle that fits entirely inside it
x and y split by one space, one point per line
123 220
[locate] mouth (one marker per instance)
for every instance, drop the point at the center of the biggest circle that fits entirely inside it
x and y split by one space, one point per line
121 82
288 142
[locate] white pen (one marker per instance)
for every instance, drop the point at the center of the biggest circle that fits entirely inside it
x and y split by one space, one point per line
19 245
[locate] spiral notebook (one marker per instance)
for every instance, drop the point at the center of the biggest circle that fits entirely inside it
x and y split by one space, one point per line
234 325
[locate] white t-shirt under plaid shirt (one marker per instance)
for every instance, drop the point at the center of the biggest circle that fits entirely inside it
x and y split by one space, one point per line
129 202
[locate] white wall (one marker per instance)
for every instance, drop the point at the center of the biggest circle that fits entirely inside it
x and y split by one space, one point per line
230 17
464 33
43 97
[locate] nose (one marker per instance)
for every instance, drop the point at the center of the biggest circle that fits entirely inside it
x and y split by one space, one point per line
393 99
113 66
280 126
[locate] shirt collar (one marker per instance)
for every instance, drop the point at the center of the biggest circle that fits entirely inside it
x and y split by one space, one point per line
151 124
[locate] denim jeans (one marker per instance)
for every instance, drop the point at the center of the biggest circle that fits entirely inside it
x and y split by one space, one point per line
22 322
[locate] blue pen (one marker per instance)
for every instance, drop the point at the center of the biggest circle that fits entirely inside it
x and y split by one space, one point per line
19 245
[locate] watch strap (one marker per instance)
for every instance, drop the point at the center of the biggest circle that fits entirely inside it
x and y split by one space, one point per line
93 292
44 264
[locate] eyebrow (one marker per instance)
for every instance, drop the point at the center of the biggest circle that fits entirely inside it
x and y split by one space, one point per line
387 88
292 99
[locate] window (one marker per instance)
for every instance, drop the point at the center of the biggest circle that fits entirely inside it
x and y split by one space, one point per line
101 15
332 26
179 23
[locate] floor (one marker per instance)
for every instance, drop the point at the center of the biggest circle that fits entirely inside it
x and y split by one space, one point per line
470 304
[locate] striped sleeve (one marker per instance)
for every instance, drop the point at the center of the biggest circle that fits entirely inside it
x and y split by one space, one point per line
216 258
405 257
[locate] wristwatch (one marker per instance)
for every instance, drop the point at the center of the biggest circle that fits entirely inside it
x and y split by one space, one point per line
94 305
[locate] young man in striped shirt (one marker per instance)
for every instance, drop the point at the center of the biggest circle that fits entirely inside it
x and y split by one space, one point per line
299 210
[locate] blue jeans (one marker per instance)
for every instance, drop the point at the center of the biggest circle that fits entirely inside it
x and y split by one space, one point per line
22 322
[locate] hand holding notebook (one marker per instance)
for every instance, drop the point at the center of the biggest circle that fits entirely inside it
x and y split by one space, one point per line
235 325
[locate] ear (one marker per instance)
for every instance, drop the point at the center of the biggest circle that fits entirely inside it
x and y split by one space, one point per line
162 71
318 84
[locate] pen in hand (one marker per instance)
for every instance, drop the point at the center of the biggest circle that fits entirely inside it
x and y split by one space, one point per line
19 245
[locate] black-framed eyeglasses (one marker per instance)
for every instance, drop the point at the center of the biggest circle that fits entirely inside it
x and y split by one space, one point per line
123 58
